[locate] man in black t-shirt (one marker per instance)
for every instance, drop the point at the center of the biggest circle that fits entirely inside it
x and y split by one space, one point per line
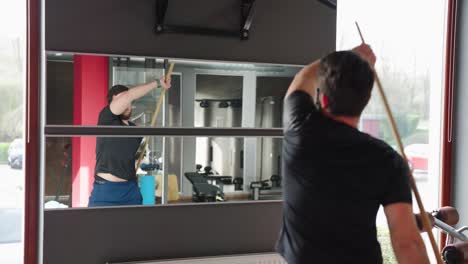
336 177
115 180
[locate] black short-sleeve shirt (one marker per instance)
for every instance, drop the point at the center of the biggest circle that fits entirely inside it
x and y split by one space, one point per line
115 155
335 178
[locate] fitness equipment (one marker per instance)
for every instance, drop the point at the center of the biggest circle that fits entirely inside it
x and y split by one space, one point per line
256 186
456 253
202 190
275 181
456 245
238 183
266 189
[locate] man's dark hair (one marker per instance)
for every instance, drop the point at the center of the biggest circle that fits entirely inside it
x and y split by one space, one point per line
347 81
115 90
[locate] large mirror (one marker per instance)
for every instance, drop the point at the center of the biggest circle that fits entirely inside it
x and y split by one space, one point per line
186 169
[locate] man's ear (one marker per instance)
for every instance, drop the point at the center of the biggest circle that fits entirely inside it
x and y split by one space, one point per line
116 95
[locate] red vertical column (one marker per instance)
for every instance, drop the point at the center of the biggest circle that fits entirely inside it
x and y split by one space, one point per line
31 123
91 82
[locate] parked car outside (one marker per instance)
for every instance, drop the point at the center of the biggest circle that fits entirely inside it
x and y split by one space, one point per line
15 154
418 155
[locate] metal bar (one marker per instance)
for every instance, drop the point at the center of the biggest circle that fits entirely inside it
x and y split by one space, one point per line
120 131
165 172
450 230
161 8
249 18
216 100
188 151
223 259
182 60
199 31
330 3
249 93
463 229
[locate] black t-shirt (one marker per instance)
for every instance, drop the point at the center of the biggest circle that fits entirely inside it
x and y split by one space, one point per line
335 179
115 155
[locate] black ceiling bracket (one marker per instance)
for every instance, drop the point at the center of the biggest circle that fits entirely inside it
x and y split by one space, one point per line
161 8
247 14
247 10
330 3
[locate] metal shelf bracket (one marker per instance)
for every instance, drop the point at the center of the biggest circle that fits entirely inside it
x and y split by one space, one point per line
247 11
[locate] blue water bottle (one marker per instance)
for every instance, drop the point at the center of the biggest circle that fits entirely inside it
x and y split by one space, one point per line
147 188
148 183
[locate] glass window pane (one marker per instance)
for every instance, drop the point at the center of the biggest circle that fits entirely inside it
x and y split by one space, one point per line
410 67
12 142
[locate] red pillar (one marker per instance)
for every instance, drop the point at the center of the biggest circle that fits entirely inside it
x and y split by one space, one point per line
91 82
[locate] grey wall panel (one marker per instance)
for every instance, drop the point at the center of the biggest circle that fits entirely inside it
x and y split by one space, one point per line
460 122
144 233
289 32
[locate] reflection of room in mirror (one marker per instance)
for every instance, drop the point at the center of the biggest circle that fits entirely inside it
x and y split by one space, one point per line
219 104
269 111
221 94
58 183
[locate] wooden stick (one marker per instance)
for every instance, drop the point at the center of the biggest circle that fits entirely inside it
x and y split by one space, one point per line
424 217
155 116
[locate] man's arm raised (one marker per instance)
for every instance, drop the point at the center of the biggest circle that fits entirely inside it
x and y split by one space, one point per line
123 100
308 79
